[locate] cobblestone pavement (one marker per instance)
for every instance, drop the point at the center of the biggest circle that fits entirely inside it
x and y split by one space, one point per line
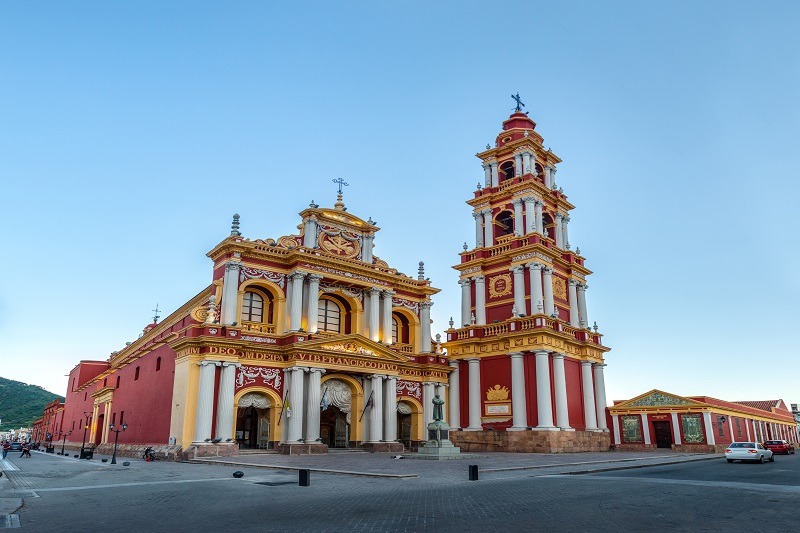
510 495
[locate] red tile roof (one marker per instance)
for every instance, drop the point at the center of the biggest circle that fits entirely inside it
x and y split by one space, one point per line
764 405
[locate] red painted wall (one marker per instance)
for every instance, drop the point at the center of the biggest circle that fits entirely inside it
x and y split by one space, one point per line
495 371
147 402
79 401
530 383
572 370
463 392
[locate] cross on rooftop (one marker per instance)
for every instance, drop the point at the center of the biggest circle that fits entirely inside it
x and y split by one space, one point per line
517 99
156 316
341 183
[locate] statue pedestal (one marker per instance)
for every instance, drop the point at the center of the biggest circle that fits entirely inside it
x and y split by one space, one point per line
438 444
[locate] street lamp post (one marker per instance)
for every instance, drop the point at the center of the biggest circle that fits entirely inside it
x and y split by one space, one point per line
116 438
85 428
65 440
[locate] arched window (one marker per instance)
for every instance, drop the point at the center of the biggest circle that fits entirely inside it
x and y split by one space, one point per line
507 171
504 224
253 307
395 330
329 316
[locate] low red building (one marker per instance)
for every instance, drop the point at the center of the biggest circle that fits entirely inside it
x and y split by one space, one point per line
659 419
48 427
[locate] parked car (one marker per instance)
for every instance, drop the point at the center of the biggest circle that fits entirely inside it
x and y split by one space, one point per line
748 451
15 446
779 446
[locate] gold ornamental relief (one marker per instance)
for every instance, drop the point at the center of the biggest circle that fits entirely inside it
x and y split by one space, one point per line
500 286
338 245
497 394
200 313
559 288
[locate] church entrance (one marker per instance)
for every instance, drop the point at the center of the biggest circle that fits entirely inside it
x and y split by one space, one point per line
404 424
98 433
334 429
663 434
252 422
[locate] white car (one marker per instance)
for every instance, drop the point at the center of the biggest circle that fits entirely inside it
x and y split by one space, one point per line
748 451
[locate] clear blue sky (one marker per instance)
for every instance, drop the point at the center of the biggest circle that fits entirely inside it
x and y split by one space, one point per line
129 134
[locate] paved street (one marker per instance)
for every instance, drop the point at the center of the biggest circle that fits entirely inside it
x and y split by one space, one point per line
516 492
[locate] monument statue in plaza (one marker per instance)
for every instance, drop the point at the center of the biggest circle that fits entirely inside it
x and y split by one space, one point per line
438 443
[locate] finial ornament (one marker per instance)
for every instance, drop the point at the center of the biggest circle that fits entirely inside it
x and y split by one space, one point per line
235 226
518 100
451 322
312 205
156 316
465 246
421 270
488 146
371 222
479 186
578 251
513 310
472 319
211 318
595 326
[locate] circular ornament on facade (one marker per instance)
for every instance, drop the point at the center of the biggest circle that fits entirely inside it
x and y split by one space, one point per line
403 408
200 313
559 288
500 286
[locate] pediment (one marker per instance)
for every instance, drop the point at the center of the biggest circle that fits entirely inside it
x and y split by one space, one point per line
353 345
657 398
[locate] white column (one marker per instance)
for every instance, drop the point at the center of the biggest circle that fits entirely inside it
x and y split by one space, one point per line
539 222
537 296
543 401
390 409
480 300
526 162
600 395
495 175
487 175
376 412
225 407
530 214
365 421
517 164
387 317
205 401
310 232
366 248
747 428
294 420
676 428
313 301
553 171
453 398
478 229
584 320
474 395
560 384
374 313
547 282
709 428
519 289
565 229
589 408
313 405
559 231
230 293
574 319
427 405
615 425
547 176
519 224
646 429
296 305
488 235
466 300
519 410
425 326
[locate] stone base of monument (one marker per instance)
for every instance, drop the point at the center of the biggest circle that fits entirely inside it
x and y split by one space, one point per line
438 444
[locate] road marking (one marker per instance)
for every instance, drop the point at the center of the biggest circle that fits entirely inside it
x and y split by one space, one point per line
135 484
9 521
693 482
8 465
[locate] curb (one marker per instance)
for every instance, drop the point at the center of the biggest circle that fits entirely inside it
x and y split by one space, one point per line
631 467
687 459
297 468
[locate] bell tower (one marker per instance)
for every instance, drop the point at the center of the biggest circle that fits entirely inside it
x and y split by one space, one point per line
524 358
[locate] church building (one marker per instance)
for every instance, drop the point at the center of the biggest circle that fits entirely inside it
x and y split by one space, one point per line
302 343
528 372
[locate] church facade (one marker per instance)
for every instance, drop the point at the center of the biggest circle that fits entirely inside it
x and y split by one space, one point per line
528 372
300 344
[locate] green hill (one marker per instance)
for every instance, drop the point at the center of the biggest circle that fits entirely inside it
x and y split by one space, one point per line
21 404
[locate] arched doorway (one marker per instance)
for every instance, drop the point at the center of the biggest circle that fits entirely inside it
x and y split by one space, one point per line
252 422
335 420
404 424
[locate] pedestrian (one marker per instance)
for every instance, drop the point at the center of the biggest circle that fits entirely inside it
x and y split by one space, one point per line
26 450
6 447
